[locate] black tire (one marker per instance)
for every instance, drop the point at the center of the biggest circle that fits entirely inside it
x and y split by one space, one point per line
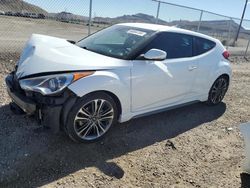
85 105
218 90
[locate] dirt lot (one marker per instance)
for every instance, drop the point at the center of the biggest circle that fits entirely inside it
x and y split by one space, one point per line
187 147
14 31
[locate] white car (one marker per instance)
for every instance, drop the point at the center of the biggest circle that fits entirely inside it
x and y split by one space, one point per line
122 72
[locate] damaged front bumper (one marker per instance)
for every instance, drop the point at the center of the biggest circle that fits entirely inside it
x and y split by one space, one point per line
51 111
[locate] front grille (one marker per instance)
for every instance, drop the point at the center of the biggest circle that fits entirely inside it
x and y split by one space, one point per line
15 83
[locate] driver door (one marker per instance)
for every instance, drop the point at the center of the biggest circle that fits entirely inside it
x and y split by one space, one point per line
159 83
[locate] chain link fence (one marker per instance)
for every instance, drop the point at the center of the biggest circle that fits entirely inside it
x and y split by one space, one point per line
216 25
19 20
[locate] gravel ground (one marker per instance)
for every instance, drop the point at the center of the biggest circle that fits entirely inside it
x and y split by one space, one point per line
187 147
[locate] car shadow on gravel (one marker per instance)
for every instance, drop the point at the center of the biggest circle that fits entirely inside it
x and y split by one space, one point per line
34 158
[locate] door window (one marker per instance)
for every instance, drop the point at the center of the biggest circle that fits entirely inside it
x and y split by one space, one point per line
203 45
176 45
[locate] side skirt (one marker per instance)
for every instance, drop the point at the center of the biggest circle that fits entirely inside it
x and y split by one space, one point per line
165 109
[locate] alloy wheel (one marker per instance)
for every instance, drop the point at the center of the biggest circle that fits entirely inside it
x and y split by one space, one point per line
94 119
219 90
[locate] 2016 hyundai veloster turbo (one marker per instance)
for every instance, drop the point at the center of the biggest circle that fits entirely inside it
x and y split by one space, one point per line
121 72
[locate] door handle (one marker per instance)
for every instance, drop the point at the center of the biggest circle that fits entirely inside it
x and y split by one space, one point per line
190 68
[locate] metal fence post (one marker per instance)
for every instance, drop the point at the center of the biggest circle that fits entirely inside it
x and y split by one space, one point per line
229 32
247 48
199 24
90 16
22 11
158 11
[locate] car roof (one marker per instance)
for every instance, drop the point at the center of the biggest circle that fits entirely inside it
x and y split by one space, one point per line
162 28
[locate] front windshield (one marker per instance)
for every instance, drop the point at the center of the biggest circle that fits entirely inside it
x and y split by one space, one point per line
116 41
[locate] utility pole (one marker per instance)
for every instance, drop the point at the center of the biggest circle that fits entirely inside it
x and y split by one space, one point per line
242 17
90 16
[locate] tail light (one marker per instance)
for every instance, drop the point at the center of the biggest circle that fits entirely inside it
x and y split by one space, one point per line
226 54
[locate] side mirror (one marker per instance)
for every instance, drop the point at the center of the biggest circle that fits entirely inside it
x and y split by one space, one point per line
155 54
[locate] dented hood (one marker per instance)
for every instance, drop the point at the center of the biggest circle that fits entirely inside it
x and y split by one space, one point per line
44 54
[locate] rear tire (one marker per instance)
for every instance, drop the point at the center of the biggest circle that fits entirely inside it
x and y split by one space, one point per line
92 117
218 91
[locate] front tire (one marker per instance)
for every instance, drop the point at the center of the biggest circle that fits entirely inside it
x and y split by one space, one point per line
218 90
92 117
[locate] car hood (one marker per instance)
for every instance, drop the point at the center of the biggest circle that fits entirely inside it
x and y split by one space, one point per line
45 54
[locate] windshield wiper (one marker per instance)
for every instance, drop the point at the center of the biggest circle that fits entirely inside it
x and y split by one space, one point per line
71 41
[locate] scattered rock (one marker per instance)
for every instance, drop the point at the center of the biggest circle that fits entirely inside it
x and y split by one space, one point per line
170 144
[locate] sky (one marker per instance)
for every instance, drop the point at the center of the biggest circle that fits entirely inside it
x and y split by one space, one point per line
113 8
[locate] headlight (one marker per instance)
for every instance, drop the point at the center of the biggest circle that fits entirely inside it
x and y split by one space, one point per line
47 85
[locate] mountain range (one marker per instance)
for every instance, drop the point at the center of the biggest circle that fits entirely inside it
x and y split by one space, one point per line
205 26
20 6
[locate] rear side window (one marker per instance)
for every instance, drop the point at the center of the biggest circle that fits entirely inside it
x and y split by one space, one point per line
175 44
203 45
